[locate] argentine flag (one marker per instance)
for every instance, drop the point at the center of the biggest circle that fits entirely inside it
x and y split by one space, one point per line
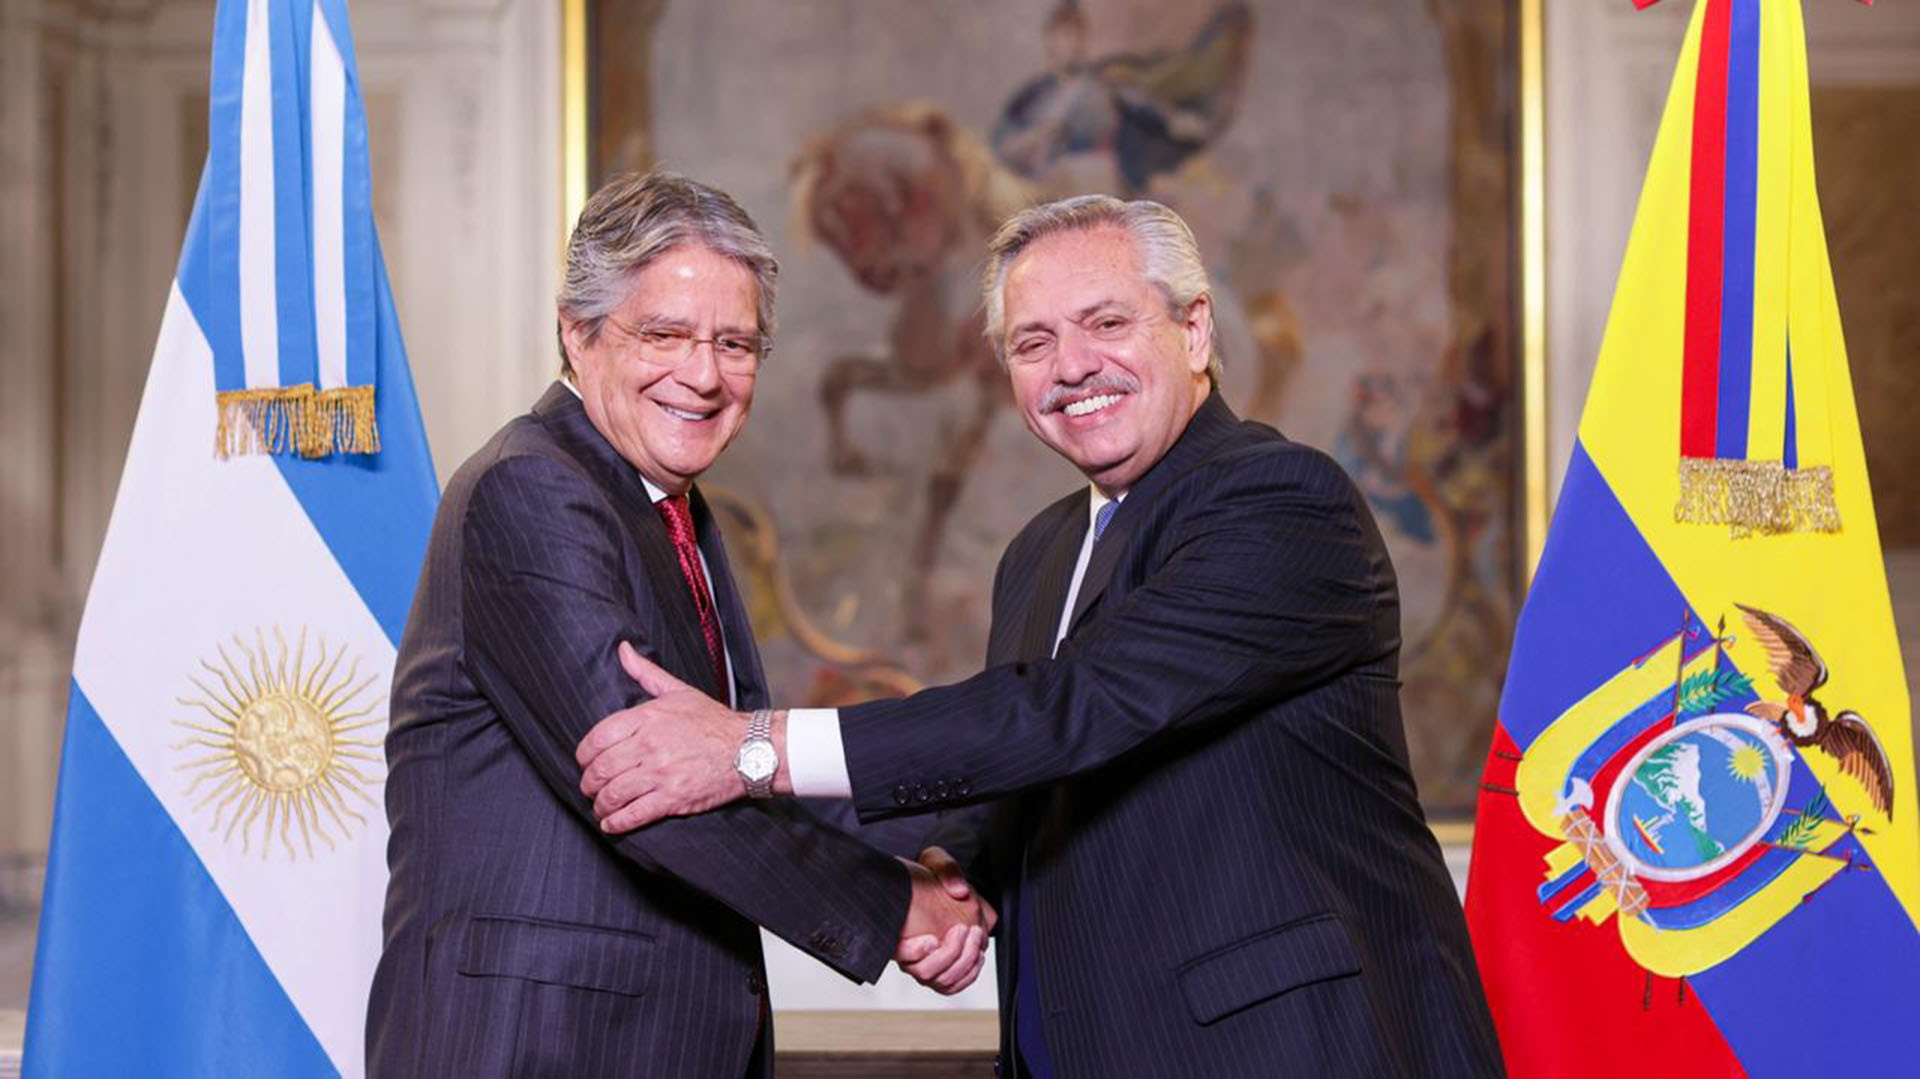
214 890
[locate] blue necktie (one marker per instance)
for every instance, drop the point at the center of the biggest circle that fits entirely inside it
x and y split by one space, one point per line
1027 1032
1101 519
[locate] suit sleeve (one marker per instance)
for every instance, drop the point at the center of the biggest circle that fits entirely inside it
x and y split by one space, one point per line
546 598
964 831
1274 582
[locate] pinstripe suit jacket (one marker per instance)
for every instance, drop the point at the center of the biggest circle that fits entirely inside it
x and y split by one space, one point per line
1227 870
520 940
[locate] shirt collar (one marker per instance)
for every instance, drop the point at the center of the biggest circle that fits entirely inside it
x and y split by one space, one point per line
653 491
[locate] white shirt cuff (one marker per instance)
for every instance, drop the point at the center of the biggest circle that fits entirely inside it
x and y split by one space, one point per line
816 761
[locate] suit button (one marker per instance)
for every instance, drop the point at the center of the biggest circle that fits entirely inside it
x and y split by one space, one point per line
756 984
827 942
901 796
940 790
998 1070
961 789
919 794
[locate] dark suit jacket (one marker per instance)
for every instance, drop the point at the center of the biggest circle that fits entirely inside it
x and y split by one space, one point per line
520 940
1226 866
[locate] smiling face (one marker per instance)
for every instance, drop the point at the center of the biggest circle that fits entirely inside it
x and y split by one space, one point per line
1102 371
670 416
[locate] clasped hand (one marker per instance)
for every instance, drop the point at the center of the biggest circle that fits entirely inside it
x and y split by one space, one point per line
943 944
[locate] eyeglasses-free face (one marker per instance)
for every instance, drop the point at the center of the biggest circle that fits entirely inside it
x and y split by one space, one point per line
1103 372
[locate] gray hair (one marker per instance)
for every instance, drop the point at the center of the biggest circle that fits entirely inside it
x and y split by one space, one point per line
634 219
1168 253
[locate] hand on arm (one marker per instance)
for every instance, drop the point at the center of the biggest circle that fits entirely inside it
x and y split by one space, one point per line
671 756
1273 586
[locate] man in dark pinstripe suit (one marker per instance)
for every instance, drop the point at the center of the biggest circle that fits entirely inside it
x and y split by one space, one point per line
520 939
1203 836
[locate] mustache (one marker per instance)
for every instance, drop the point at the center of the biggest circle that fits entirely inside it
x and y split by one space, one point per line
1104 382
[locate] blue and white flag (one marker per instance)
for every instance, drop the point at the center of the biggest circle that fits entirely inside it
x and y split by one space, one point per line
214 890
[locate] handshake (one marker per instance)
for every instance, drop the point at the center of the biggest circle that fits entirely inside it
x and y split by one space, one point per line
943 944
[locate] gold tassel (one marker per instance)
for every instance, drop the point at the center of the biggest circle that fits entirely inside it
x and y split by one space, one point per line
1756 496
296 420
346 414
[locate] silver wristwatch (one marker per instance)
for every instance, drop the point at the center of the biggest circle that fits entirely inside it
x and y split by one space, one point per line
757 760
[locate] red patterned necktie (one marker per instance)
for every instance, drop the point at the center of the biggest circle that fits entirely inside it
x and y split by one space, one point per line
679 517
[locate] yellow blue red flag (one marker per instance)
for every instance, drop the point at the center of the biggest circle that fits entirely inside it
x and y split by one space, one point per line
1697 850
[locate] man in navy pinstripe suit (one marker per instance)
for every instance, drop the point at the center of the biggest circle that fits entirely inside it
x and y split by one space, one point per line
1202 833
520 939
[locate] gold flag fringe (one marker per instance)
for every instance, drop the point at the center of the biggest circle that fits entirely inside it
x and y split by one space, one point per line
1756 496
296 419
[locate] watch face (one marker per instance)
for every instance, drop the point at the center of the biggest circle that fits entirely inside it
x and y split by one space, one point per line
757 760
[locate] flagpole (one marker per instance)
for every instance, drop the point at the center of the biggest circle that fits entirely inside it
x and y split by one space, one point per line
1533 288
573 122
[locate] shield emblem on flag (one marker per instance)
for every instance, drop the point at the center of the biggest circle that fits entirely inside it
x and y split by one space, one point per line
1682 813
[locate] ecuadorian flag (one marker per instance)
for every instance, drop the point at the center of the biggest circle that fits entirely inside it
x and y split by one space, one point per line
1697 850
214 890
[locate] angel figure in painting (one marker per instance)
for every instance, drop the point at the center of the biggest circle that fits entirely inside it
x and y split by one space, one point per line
1148 112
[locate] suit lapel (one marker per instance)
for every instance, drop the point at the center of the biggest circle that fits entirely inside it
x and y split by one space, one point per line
1051 580
684 650
749 681
1210 425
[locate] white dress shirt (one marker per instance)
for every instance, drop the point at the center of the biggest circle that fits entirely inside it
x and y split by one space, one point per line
656 494
817 758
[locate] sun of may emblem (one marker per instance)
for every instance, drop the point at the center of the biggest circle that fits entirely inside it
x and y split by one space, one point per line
283 735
